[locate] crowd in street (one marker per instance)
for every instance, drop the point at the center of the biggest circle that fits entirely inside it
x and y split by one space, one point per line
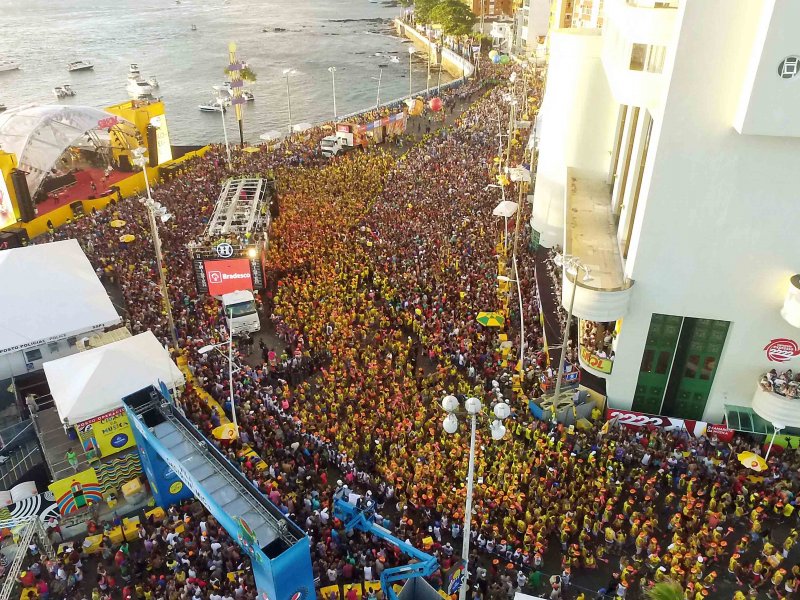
378 266
183 555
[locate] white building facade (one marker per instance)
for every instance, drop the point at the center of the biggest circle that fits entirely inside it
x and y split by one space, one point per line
670 140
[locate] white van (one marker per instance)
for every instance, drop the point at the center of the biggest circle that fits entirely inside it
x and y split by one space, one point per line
241 312
333 145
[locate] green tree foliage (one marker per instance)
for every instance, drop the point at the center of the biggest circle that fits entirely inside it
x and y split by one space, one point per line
246 73
423 8
455 17
667 590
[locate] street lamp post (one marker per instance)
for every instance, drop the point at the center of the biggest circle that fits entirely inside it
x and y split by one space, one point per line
221 104
473 408
571 265
521 314
287 73
378 98
332 71
209 348
140 160
410 54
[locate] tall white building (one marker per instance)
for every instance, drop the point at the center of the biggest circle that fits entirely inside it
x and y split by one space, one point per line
668 158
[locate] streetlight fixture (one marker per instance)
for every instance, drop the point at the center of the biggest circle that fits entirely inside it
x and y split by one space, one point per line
287 73
411 51
153 208
378 98
221 103
473 408
332 71
229 343
571 266
506 279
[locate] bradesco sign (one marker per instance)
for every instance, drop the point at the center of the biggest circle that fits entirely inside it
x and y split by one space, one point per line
225 276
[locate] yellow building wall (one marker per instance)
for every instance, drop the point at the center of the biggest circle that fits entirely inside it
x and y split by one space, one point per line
8 162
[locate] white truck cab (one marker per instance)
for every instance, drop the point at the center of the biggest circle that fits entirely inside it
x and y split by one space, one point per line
241 313
338 143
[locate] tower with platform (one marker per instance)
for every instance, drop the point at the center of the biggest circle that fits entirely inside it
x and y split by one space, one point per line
180 462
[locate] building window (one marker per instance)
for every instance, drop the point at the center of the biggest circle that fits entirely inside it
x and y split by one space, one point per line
52 347
33 355
789 67
648 58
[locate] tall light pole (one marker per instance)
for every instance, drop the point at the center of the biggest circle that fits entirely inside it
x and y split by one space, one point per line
221 103
410 54
332 71
140 160
571 266
209 348
378 98
287 73
473 409
521 315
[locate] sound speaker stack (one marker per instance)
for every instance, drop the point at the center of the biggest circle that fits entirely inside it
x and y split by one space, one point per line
27 212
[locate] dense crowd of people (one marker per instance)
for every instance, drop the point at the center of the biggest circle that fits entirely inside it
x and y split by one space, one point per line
378 266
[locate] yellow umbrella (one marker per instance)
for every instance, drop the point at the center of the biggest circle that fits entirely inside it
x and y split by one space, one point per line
226 431
128 237
751 460
251 149
117 223
491 319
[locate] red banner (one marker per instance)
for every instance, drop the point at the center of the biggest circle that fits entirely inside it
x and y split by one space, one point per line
225 276
630 418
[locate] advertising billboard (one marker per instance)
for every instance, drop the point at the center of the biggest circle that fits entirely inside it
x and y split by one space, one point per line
7 216
106 434
225 276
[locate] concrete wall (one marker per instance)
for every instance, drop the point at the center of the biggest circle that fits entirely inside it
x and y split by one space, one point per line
711 239
576 125
454 64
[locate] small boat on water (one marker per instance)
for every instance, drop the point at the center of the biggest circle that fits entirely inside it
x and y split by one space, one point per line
2 107
63 91
137 85
228 93
248 96
211 106
395 59
194 27
80 65
8 65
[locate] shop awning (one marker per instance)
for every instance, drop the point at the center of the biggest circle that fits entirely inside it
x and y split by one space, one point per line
744 419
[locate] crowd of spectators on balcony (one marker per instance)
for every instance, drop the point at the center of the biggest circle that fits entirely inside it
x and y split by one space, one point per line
784 383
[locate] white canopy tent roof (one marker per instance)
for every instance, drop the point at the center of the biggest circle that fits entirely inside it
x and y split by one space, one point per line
39 134
505 209
49 292
92 383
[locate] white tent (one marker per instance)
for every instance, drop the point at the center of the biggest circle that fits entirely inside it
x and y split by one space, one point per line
49 292
39 134
92 383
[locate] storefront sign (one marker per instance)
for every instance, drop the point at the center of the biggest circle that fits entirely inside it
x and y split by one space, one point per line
595 362
781 350
225 276
694 428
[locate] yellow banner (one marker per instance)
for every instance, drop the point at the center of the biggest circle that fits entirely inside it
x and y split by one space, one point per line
106 434
603 365
77 491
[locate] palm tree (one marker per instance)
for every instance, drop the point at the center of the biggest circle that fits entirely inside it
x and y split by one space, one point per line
666 590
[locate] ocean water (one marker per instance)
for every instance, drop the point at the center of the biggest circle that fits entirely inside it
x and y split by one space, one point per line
311 35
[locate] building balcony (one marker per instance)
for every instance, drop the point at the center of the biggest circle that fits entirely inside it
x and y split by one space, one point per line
777 408
636 37
594 355
590 235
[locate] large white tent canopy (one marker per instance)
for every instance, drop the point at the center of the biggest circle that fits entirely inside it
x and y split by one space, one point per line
92 383
49 292
39 134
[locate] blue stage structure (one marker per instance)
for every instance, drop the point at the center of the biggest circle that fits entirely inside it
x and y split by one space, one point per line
180 463
360 518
